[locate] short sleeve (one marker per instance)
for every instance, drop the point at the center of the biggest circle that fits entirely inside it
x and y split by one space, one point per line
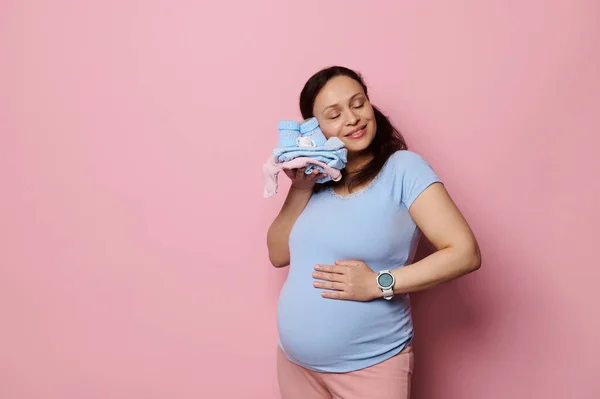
412 175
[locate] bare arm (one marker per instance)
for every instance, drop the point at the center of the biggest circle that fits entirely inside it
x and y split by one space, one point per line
279 232
457 250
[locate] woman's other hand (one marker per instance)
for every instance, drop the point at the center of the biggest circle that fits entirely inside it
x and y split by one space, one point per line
348 279
302 181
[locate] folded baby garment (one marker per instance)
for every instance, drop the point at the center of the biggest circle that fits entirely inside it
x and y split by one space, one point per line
307 140
303 145
332 153
271 170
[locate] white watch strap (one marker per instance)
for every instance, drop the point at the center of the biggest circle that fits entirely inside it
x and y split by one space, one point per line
388 294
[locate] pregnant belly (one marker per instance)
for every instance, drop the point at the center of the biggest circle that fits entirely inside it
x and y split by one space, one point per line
322 333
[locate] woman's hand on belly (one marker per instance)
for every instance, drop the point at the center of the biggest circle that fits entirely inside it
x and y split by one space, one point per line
348 280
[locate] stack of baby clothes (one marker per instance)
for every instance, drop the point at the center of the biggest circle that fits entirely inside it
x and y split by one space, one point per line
303 145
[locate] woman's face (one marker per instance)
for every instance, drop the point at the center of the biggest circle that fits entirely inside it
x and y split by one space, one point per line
343 111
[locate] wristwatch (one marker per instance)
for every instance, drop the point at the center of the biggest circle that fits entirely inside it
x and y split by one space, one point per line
385 281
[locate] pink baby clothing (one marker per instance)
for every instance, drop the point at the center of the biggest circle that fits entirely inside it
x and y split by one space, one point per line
271 170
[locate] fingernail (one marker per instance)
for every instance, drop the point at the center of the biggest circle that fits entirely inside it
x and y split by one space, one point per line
317 267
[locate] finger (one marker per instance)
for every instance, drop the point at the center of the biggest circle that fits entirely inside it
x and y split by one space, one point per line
300 173
318 175
329 276
348 262
331 269
342 295
329 285
311 175
291 173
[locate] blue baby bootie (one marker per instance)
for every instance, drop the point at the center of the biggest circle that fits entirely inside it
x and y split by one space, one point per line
289 131
310 134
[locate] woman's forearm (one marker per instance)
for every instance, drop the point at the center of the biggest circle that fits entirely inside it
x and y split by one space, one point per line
279 232
439 267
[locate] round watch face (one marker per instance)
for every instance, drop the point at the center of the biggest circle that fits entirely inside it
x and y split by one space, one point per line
385 280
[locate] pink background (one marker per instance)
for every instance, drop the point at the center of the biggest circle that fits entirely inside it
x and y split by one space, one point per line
133 261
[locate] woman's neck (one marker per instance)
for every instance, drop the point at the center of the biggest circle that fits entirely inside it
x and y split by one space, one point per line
356 161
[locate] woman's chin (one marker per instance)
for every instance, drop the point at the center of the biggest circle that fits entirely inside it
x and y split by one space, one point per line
357 146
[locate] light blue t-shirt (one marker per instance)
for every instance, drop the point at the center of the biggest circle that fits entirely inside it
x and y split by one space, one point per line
372 225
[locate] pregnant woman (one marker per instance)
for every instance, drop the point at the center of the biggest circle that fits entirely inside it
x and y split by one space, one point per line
344 316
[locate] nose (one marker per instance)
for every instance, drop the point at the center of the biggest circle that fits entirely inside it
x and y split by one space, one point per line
351 118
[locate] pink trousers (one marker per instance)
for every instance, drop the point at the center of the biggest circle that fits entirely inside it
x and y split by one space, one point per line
387 380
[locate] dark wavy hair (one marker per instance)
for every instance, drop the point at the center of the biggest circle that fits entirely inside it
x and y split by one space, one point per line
387 138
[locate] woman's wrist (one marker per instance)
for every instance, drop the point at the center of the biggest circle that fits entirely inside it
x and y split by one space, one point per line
295 202
376 292
301 191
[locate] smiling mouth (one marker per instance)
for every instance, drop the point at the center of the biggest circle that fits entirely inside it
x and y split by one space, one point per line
357 133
